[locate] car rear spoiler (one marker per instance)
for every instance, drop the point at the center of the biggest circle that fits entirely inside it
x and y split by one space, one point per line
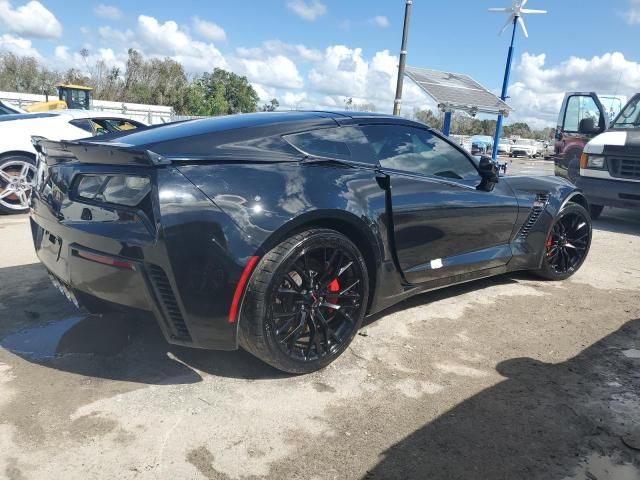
95 152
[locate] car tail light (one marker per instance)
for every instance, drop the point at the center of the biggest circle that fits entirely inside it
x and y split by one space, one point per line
125 190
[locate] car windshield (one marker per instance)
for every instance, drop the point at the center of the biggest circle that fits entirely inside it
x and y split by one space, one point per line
630 115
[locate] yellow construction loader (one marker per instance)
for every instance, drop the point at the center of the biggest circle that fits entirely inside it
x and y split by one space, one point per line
69 96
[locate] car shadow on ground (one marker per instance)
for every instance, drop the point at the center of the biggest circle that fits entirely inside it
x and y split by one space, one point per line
44 328
544 421
617 220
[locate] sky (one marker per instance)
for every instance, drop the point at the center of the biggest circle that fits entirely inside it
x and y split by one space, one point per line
317 53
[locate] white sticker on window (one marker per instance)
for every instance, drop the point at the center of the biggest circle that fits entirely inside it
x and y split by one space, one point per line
437 263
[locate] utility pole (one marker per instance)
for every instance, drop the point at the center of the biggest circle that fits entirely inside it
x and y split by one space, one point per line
403 58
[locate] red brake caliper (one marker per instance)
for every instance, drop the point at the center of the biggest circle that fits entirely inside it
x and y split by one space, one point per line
333 287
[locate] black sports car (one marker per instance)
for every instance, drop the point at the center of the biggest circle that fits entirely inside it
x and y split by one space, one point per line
278 232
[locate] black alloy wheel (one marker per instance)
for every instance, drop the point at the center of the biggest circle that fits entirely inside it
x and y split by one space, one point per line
568 243
305 301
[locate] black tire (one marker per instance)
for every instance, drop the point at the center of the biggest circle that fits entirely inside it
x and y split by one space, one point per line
289 308
595 211
15 188
567 244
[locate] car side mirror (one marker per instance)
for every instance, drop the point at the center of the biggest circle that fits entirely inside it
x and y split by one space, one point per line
587 126
488 170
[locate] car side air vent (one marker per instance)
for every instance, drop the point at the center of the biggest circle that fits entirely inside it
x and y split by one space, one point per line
538 207
170 306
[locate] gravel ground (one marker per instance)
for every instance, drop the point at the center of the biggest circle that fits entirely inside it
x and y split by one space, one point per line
508 378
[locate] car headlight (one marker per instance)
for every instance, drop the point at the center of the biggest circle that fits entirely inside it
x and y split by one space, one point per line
592 161
119 189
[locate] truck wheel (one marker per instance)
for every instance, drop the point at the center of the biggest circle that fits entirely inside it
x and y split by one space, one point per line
595 211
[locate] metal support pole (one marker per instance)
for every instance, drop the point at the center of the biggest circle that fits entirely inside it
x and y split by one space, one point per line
446 124
403 58
505 89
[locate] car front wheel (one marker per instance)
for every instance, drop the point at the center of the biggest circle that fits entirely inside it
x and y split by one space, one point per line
17 179
567 244
305 301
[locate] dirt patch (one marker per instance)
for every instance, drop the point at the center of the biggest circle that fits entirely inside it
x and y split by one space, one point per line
202 459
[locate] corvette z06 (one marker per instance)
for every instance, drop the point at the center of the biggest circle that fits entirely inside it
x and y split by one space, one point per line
279 232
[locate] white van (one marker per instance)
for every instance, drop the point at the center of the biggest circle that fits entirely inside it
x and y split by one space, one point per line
610 163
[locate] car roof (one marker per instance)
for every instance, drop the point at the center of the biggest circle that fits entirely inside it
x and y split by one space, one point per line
266 123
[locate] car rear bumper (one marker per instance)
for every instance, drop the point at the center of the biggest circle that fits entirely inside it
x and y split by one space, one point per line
98 270
614 193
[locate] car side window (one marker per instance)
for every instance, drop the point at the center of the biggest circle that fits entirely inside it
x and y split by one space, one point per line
415 150
342 143
83 123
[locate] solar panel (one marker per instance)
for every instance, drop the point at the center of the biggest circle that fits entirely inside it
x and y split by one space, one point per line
455 91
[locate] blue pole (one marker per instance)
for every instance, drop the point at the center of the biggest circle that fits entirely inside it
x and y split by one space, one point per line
446 124
505 89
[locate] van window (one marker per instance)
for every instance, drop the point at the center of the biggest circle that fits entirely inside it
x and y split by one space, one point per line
580 107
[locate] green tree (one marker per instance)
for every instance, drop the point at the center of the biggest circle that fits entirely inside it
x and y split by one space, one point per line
203 98
428 117
220 93
272 106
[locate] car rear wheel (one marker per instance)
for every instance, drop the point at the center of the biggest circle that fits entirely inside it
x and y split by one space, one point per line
567 244
305 301
17 179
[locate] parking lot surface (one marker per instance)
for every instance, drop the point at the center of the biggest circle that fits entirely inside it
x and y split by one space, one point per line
511 377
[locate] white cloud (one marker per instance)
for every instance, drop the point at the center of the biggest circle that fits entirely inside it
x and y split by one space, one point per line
538 90
633 13
343 73
18 46
276 71
308 11
264 93
108 11
379 21
278 47
209 30
162 38
111 35
66 58
30 20
167 39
